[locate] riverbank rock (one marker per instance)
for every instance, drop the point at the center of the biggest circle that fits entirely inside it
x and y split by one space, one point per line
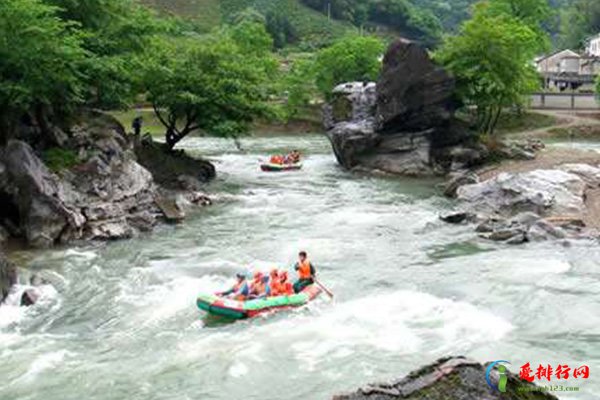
174 170
544 192
96 190
527 206
8 276
455 378
405 123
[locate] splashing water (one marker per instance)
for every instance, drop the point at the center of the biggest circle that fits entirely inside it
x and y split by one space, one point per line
120 319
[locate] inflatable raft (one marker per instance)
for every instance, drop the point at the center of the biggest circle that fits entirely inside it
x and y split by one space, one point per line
270 167
225 307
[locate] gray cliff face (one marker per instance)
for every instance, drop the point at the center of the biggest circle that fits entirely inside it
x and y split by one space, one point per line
8 276
106 195
455 378
404 124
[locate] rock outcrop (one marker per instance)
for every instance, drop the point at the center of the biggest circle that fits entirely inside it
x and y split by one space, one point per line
105 193
455 378
405 123
534 205
8 276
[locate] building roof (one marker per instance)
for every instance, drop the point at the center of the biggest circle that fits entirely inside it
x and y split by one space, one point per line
572 54
596 36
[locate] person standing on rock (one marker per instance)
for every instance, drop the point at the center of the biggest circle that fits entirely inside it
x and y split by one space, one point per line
306 272
137 125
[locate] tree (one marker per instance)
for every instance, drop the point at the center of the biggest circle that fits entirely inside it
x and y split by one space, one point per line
491 60
578 22
41 65
354 58
534 13
217 84
299 85
116 32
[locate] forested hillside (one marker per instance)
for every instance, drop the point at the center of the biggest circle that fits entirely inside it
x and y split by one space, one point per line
311 24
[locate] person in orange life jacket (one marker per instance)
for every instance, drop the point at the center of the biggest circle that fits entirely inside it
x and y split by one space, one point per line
277 159
240 290
306 272
285 287
293 157
260 287
274 283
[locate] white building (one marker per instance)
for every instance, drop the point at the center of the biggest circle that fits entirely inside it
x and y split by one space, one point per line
568 70
551 64
593 46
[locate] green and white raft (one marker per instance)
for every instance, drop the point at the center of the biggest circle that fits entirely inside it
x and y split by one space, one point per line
270 167
224 307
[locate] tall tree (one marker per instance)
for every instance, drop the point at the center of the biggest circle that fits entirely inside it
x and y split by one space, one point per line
41 65
578 22
116 33
354 58
534 13
491 60
216 84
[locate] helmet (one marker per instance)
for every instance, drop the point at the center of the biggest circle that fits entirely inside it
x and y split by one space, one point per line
241 275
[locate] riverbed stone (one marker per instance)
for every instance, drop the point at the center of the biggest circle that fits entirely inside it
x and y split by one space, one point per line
8 276
452 378
459 179
457 216
544 192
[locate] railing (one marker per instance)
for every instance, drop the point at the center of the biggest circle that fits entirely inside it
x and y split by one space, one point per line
565 101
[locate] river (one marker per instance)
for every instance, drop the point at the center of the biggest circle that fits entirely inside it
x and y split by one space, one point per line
120 321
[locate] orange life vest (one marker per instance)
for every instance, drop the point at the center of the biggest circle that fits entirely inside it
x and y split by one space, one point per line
287 289
276 288
277 159
304 270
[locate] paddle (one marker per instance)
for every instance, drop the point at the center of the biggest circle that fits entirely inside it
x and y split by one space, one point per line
329 293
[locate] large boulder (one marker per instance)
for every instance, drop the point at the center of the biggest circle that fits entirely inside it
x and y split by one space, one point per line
404 124
544 192
455 378
45 204
106 195
413 93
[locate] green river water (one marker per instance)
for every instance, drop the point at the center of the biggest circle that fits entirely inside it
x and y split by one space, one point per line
119 320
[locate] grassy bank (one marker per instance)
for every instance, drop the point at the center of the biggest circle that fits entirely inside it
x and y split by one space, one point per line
511 123
307 121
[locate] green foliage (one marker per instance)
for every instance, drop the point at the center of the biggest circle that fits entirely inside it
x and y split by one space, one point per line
409 18
41 60
491 60
578 22
299 86
533 13
201 15
58 159
217 84
115 33
354 58
311 29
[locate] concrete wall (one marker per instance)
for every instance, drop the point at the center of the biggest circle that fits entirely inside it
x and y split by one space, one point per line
565 101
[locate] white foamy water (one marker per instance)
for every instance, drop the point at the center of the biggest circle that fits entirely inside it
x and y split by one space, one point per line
121 322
